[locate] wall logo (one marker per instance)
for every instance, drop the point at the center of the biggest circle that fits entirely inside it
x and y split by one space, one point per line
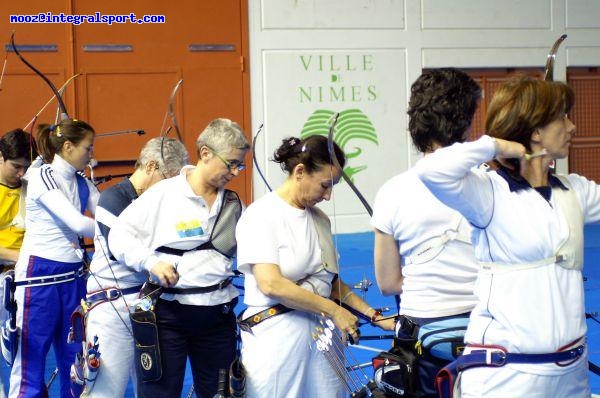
352 126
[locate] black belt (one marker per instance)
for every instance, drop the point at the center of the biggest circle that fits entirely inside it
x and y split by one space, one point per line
181 252
408 327
253 320
411 329
200 289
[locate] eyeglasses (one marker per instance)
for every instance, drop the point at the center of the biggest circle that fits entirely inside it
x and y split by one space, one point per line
162 173
231 165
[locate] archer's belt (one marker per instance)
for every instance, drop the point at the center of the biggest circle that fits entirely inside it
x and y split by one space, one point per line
50 279
497 356
200 289
407 326
247 324
108 294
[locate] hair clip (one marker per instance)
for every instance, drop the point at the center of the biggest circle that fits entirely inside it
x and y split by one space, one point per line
58 133
52 127
293 141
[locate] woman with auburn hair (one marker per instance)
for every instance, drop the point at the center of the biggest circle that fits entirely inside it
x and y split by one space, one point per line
526 336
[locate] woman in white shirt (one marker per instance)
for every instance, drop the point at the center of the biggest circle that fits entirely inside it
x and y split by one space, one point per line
426 256
49 272
528 237
286 253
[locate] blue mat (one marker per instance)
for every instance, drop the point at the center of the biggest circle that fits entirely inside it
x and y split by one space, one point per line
356 259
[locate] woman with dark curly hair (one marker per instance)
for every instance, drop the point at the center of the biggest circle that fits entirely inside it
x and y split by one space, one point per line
526 335
422 247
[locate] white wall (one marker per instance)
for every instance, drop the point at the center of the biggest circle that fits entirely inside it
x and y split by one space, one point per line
335 55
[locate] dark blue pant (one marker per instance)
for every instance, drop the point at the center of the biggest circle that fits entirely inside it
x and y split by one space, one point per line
205 334
46 319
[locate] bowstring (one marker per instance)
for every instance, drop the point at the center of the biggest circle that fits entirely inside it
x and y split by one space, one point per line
3 69
97 238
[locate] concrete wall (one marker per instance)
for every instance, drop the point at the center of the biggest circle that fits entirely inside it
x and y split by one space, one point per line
310 58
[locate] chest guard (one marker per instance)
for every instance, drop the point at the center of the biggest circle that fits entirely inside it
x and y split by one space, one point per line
569 254
222 237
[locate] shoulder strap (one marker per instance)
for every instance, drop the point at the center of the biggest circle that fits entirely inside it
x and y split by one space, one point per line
432 247
323 227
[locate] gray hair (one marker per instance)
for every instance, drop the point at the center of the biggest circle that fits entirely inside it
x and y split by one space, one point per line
222 135
169 154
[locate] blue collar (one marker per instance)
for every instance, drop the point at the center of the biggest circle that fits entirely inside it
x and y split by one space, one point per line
518 184
515 184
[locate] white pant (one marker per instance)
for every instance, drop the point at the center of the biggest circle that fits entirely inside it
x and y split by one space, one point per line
281 360
116 347
3 317
505 382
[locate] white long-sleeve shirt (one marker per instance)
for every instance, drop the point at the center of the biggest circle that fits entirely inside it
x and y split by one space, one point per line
171 214
537 310
53 218
105 271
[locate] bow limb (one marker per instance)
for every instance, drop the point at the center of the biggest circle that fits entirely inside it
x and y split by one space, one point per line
336 163
549 73
64 115
256 166
172 109
60 90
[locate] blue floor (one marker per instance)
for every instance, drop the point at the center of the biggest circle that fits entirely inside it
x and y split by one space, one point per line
356 253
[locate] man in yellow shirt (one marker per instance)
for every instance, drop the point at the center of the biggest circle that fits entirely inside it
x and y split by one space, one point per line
18 149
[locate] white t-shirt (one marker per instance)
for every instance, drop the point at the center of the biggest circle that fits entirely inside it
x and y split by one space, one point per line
537 310
443 286
273 232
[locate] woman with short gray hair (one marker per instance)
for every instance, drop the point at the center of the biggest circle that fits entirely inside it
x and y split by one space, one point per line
181 232
112 286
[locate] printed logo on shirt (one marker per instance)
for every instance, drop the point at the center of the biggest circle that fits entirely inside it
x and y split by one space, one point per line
189 228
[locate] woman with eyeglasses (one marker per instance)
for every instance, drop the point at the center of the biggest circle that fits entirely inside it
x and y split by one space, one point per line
286 252
526 335
181 232
49 273
112 286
